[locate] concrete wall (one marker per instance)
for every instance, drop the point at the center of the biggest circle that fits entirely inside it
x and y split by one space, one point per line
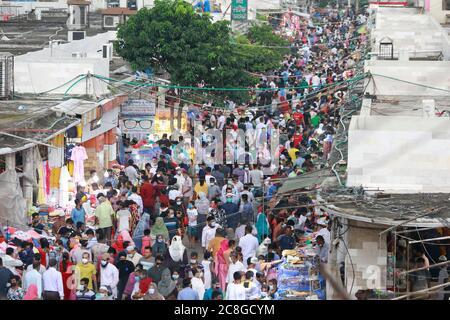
401 154
436 10
49 68
430 73
45 74
367 252
409 31
25 7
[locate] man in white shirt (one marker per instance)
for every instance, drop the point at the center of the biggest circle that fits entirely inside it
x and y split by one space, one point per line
52 283
109 275
324 231
209 231
234 266
133 256
36 259
33 277
136 198
235 290
248 243
175 193
10 262
240 231
221 121
180 178
123 214
131 172
256 177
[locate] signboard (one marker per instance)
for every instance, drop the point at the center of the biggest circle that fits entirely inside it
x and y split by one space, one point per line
138 108
137 118
239 10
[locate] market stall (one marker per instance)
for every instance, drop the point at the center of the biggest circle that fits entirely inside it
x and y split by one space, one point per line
298 275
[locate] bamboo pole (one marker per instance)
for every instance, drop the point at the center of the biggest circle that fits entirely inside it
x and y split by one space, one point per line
422 291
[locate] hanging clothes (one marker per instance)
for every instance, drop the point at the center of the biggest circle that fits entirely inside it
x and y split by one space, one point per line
64 179
78 157
41 190
47 173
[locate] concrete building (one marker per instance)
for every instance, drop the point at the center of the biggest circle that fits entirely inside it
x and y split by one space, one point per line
439 9
49 68
397 173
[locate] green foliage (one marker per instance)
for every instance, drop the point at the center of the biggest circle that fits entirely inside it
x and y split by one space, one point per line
191 48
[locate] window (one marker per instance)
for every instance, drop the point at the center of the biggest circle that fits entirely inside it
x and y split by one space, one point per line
445 4
82 15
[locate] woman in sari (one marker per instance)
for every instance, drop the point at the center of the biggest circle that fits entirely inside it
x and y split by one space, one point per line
66 271
262 226
221 265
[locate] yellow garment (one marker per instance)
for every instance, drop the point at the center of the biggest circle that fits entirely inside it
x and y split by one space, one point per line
70 168
199 188
86 271
54 178
79 131
292 152
41 193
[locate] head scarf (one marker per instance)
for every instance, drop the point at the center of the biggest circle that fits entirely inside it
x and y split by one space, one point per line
160 228
159 248
32 293
144 284
118 244
202 203
166 285
155 296
176 249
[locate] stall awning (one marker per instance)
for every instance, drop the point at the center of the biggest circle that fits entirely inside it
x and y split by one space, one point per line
308 180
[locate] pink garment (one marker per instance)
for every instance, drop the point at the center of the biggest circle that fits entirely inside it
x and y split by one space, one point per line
126 237
221 268
32 293
78 157
47 172
146 242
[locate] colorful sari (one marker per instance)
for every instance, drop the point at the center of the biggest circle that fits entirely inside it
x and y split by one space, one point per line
221 266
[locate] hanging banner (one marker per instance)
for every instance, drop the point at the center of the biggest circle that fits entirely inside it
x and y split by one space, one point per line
239 10
137 117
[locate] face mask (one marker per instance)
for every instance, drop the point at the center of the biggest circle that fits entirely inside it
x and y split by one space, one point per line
240 167
175 277
178 202
151 291
81 287
271 288
213 224
137 278
84 261
229 199
264 294
160 240
131 255
193 261
100 295
104 263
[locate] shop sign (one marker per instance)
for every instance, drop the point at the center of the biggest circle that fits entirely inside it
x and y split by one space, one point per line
138 108
239 10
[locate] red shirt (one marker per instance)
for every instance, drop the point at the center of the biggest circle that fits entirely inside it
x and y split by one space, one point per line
284 105
298 117
297 139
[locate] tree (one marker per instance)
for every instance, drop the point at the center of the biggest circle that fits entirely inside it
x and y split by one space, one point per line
193 49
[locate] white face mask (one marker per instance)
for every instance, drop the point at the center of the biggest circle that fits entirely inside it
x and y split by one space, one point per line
104 263
81 287
151 290
264 294
193 261
213 224
84 261
175 277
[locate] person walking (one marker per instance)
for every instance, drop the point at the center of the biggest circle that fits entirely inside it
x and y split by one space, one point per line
52 279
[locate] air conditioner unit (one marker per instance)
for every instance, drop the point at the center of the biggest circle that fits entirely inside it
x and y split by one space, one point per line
6 75
107 51
79 55
428 108
111 21
76 35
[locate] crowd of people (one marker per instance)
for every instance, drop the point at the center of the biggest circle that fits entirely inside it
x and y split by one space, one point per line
231 218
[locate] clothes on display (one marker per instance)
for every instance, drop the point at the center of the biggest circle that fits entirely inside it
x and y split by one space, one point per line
78 157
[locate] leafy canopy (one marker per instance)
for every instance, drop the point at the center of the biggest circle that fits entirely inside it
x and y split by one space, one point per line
192 49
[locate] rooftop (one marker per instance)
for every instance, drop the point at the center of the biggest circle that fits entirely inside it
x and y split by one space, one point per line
22 120
424 209
118 11
405 105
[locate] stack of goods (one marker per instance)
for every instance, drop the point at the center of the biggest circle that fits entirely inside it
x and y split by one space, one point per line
298 275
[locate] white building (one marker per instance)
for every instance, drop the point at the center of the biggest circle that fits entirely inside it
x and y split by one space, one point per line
47 69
